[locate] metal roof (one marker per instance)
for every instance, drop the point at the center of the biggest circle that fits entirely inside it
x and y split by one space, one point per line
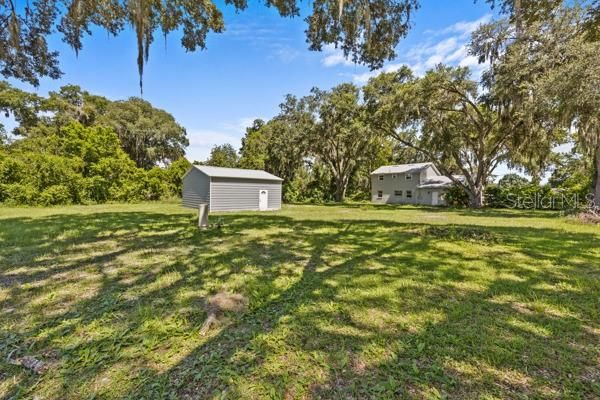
437 182
440 181
401 168
222 172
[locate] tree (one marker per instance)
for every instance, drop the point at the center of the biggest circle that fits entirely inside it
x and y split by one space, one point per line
512 180
223 156
23 106
253 152
550 77
149 135
445 118
571 172
71 103
368 31
340 136
279 146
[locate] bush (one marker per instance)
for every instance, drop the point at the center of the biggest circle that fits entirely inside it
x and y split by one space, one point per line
55 195
19 194
457 197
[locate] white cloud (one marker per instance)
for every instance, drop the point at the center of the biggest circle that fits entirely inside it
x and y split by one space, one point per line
334 57
240 125
449 46
465 28
203 140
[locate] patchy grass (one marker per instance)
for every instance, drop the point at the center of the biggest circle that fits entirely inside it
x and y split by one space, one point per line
343 302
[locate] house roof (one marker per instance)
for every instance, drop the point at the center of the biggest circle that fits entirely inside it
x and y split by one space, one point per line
440 181
222 172
437 182
402 168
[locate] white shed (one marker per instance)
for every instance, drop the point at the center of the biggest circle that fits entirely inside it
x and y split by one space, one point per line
231 189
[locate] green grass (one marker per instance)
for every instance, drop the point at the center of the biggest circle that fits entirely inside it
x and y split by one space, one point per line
344 302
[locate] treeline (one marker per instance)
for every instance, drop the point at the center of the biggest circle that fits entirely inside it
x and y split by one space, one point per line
74 147
541 89
322 145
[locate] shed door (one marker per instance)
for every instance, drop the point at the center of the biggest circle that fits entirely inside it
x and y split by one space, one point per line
263 199
434 198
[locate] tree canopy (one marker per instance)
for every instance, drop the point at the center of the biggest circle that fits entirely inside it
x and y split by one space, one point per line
550 76
150 136
75 147
223 156
366 31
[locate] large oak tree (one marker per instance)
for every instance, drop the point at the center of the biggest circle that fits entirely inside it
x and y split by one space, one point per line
548 73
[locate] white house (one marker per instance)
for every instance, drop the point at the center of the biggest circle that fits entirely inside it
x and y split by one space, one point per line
419 183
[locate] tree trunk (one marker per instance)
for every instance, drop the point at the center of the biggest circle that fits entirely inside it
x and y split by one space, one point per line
596 178
340 189
476 197
518 16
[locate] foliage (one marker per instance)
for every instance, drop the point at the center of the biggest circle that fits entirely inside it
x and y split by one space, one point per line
255 147
457 196
445 117
23 106
550 74
340 137
312 183
77 164
149 136
368 31
279 145
223 156
516 192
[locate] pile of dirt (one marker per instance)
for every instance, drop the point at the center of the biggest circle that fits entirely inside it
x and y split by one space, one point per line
219 305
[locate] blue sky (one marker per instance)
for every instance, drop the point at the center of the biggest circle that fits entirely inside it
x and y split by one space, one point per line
245 72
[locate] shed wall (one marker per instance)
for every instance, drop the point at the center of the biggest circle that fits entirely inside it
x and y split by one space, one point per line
231 194
196 189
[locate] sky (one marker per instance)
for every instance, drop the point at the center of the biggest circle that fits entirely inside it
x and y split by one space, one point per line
246 71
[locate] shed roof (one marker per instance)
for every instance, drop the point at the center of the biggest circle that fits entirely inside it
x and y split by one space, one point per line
222 172
402 168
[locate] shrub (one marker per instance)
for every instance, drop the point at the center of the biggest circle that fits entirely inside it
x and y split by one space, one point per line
19 194
55 195
457 197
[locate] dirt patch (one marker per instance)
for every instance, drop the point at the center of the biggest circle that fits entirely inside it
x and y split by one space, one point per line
219 305
589 217
470 234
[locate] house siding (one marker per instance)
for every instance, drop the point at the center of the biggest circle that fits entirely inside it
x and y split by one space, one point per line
196 189
391 183
397 181
234 194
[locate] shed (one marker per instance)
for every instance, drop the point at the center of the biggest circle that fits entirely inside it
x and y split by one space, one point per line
231 189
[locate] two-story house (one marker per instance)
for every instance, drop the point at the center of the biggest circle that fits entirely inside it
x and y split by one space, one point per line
419 183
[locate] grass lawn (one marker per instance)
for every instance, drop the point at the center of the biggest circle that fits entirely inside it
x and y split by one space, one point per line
344 302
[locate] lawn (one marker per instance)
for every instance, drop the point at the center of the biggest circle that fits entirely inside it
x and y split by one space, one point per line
343 302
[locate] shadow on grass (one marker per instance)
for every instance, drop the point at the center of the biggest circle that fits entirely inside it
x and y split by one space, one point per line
484 212
338 309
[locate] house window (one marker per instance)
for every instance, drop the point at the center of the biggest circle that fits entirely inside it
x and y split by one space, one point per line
398 193
380 194
380 177
393 176
409 177
409 194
